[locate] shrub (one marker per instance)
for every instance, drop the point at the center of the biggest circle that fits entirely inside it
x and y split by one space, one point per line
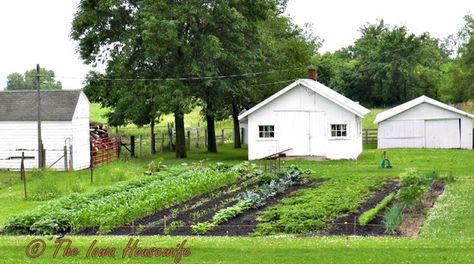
393 218
369 215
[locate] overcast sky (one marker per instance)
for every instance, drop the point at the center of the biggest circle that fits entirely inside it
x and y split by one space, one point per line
35 31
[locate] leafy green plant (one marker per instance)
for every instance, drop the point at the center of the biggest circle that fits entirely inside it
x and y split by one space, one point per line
256 200
413 185
202 228
393 218
369 215
154 167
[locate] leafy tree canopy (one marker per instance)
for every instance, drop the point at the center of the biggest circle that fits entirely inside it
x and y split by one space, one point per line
27 81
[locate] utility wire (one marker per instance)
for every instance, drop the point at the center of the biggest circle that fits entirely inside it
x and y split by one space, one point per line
217 77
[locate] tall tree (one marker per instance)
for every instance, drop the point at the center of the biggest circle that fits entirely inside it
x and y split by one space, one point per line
26 81
386 66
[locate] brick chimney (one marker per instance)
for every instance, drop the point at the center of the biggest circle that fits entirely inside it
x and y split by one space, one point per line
312 74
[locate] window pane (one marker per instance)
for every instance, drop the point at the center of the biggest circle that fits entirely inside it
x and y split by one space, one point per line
344 133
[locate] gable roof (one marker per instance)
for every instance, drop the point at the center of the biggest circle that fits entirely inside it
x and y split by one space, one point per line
22 105
412 103
318 88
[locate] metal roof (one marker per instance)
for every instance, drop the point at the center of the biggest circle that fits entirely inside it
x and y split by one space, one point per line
57 105
320 89
417 101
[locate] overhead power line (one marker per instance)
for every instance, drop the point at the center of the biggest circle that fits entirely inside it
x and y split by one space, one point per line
198 78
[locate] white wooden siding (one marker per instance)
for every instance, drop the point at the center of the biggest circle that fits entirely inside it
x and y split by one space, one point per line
426 126
15 136
80 130
302 122
23 135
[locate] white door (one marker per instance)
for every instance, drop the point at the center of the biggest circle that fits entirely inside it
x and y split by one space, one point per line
442 133
317 134
292 131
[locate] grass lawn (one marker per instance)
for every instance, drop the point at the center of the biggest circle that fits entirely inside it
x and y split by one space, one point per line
258 250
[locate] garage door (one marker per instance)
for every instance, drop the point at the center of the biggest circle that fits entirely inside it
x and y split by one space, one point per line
442 133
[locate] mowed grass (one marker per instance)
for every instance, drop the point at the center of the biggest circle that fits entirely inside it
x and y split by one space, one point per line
256 250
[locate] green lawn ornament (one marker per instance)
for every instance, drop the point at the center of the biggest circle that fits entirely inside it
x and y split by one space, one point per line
384 162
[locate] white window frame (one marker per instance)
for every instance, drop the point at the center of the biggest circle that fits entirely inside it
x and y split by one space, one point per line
336 124
268 132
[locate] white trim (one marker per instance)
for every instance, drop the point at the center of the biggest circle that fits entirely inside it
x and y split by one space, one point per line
318 88
415 102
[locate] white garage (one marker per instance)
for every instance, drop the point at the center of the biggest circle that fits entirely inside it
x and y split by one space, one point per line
64 122
305 118
424 123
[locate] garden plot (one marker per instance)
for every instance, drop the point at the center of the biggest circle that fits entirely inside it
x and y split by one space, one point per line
222 212
399 208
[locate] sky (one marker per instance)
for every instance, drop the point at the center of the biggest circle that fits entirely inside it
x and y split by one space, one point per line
37 32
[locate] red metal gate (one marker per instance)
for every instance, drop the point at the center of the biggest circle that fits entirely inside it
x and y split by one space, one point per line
104 150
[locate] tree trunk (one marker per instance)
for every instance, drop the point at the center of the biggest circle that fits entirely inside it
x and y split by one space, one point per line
211 133
152 137
235 119
180 135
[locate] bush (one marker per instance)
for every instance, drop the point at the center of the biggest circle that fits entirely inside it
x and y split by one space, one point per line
369 215
393 218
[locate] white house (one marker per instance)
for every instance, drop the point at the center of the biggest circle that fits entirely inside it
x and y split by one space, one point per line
305 118
424 123
64 122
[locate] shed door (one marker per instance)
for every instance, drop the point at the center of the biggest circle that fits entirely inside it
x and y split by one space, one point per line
293 132
317 136
442 133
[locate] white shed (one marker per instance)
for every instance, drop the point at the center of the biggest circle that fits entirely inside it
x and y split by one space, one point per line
424 123
307 119
64 122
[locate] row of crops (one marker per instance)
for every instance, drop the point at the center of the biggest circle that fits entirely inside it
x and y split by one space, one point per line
117 205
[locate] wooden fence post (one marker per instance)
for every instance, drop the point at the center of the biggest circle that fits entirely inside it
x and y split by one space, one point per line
222 135
197 138
119 146
366 136
65 158
132 146
140 138
162 142
23 175
189 140
71 158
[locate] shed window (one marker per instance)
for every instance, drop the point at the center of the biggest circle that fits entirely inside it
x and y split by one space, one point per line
338 130
266 131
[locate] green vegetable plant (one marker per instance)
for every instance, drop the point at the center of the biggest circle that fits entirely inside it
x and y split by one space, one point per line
369 215
393 218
